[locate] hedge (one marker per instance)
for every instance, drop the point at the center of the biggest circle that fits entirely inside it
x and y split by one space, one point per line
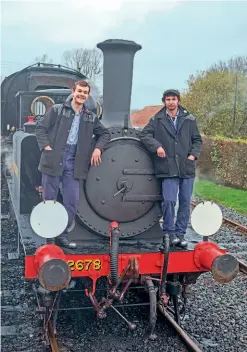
224 161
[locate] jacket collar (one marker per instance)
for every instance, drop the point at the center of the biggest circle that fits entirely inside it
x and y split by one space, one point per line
161 115
68 104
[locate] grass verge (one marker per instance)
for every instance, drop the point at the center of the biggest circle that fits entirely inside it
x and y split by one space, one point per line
235 199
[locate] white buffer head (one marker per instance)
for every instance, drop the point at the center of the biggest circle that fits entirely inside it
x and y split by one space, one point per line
49 219
206 218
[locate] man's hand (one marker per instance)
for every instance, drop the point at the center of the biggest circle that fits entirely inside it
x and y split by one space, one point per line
191 157
96 159
48 148
161 153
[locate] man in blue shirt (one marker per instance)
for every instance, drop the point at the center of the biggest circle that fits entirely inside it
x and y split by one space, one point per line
174 141
64 136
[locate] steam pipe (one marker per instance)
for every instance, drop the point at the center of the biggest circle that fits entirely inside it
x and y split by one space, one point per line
117 80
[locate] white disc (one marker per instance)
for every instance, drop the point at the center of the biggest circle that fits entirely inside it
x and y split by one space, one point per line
49 219
206 218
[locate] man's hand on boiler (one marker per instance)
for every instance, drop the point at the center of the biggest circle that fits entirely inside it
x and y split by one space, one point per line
96 159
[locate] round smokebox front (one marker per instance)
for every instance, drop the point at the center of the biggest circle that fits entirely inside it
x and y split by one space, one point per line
122 188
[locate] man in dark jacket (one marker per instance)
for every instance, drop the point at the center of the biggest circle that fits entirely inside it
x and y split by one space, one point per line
65 137
174 141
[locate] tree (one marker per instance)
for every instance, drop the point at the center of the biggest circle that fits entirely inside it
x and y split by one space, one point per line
44 59
219 100
237 65
87 61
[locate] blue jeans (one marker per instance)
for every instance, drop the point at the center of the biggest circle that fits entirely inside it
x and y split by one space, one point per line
70 186
170 188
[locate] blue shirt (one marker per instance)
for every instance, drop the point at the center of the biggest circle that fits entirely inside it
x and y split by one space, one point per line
73 134
174 120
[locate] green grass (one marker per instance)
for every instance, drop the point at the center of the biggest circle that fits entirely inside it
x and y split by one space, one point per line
235 199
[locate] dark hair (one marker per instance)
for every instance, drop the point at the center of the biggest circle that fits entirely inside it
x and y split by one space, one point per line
171 93
82 84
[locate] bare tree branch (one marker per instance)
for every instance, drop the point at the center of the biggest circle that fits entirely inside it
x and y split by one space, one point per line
86 61
237 65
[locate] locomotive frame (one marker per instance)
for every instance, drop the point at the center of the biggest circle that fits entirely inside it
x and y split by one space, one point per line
118 221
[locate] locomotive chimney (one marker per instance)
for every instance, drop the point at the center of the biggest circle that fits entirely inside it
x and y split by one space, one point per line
117 80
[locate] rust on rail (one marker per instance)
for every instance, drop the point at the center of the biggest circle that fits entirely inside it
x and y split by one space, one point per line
52 338
242 267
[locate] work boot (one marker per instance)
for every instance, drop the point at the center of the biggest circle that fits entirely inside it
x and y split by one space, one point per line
63 241
182 243
173 240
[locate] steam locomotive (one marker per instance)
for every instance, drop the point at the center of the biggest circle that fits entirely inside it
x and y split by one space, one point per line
31 91
117 226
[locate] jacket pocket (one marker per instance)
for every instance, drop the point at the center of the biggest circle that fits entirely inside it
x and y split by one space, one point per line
161 165
47 158
190 167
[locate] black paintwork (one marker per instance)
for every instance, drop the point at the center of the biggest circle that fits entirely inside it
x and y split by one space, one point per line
117 79
31 79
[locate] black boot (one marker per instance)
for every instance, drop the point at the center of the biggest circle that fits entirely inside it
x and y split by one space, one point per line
173 241
182 243
63 241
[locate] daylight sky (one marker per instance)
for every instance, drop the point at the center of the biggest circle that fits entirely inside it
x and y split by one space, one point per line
178 38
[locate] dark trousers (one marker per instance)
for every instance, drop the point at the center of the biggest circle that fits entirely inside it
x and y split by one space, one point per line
170 189
70 186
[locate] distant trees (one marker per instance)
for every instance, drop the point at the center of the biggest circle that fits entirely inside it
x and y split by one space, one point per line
87 61
218 97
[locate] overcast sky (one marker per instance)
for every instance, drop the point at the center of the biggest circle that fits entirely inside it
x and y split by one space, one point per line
178 38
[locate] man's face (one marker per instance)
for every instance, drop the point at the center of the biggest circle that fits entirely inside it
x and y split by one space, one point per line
171 102
80 94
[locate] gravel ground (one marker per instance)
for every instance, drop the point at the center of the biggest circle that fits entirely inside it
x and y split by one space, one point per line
216 314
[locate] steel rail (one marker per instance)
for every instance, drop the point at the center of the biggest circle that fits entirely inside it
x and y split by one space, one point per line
242 267
185 337
52 338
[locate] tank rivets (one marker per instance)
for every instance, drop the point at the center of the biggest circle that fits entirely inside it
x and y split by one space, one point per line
150 179
97 178
136 160
112 159
143 202
103 201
